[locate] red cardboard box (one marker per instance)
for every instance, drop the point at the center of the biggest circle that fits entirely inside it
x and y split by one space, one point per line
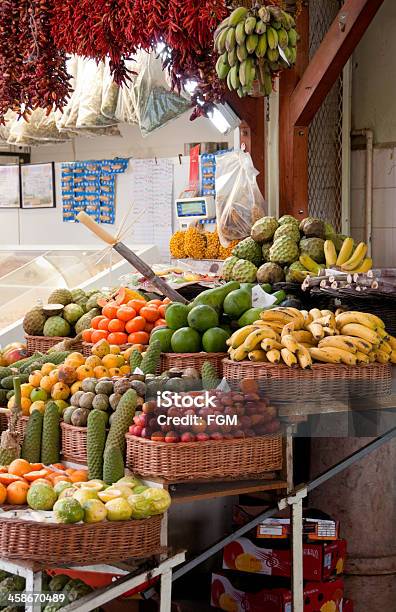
321 561
318 597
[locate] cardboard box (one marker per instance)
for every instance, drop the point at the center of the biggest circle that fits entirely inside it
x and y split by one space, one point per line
318 597
321 561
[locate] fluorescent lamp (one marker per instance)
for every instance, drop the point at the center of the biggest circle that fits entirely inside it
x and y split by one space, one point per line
223 118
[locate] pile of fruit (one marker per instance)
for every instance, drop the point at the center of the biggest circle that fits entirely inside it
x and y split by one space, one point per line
197 244
298 338
67 313
255 45
255 417
12 353
127 323
285 249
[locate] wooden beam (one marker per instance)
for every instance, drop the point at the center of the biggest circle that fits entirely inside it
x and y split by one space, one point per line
337 46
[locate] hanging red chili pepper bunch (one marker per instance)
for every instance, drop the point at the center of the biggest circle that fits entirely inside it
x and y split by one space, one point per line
32 69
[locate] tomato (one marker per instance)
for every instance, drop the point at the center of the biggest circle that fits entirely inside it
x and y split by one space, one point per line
104 323
162 310
135 325
117 338
110 310
99 334
96 320
136 304
140 337
86 335
160 322
149 327
115 325
155 302
126 313
150 313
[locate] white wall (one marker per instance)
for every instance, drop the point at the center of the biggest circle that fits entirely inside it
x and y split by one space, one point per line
46 227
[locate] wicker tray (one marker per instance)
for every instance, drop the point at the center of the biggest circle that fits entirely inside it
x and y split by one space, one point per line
87 346
192 360
186 461
51 543
42 344
74 443
282 383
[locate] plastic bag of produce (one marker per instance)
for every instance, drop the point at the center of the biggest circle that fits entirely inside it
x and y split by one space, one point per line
90 97
40 129
239 202
125 111
110 91
155 104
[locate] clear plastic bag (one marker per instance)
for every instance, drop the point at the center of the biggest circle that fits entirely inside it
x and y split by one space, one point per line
40 129
155 105
239 202
125 111
110 92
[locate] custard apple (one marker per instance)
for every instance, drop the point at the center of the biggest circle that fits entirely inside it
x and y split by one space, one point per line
329 231
270 273
314 247
314 228
56 326
72 312
228 266
296 273
264 229
248 249
290 230
33 321
303 222
265 248
288 219
244 271
284 251
60 296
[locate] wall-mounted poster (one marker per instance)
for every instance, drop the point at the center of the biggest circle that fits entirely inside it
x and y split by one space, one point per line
38 185
10 195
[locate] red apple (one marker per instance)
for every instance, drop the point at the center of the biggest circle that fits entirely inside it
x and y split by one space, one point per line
136 430
202 437
136 419
216 436
187 437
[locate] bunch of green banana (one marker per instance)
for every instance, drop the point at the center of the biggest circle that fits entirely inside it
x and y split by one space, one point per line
253 45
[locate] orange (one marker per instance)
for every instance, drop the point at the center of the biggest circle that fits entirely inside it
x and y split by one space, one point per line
150 313
3 493
96 320
87 335
19 467
134 325
79 476
137 305
160 323
162 310
17 492
149 327
125 313
154 303
104 324
99 334
84 371
110 310
115 325
118 338
140 337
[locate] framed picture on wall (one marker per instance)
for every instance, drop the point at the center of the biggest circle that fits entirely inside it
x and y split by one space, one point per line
10 192
38 186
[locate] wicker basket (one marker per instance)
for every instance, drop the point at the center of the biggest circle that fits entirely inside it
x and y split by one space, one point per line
279 382
186 461
87 348
192 360
42 344
103 542
21 426
74 443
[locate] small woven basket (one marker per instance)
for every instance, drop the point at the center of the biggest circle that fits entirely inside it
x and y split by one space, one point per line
42 344
186 461
52 543
74 443
21 425
87 348
192 360
282 383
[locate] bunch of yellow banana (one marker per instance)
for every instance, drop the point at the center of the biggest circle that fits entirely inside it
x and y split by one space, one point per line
348 259
300 337
252 45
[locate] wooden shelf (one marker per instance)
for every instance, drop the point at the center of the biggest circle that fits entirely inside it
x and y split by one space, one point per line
188 492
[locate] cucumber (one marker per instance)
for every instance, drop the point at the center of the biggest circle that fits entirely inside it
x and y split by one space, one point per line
4 371
8 382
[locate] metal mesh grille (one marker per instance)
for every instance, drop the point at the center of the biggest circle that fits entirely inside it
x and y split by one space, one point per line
325 133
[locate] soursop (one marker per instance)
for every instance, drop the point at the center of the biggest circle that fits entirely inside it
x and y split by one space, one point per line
264 229
313 228
296 273
122 419
31 447
72 312
248 249
113 463
60 296
210 379
151 358
34 321
56 326
85 321
96 440
289 230
244 271
288 219
265 249
284 251
314 247
228 265
50 439
270 273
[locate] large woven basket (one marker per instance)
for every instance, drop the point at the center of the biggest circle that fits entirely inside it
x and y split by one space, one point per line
186 461
192 360
21 425
82 543
282 383
74 443
42 344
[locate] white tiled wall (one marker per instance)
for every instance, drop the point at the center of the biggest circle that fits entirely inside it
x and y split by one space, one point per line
384 203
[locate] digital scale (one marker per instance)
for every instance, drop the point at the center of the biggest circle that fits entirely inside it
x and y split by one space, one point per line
190 211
